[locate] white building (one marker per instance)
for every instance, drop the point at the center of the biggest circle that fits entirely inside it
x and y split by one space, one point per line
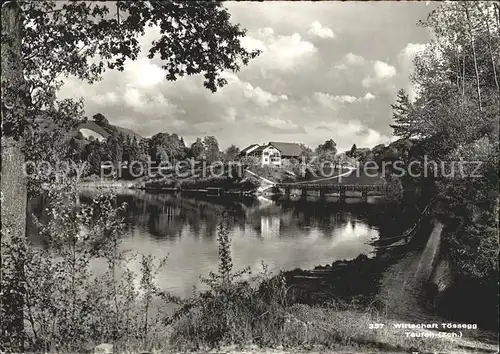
274 153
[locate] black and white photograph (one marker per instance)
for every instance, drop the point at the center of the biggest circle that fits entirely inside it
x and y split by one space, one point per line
249 177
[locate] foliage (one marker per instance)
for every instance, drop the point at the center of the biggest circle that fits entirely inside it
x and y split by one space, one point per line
101 119
67 306
454 117
164 144
456 76
352 151
211 149
231 152
110 31
197 149
393 190
307 153
402 116
236 309
327 151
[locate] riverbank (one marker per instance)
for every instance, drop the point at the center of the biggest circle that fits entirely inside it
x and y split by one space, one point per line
106 184
260 312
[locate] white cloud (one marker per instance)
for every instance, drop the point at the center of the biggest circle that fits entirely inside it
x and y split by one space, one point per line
409 52
333 102
230 116
381 73
347 128
350 60
373 137
405 58
261 97
279 52
133 97
383 70
354 59
105 98
143 73
279 125
353 132
369 96
279 84
321 31
238 91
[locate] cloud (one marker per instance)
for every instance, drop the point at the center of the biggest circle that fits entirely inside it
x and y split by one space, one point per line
242 91
133 97
354 59
262 97
405 58
382 72
333 101
341 66
301 80
279 126
353 132
279 52
143 73
321 31
408 53
350 60
105 98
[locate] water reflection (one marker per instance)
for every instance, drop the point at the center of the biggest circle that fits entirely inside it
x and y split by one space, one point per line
282 235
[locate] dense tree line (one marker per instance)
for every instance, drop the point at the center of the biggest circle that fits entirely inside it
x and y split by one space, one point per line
121 148
454 117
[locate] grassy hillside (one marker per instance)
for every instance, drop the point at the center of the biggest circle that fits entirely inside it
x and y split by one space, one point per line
106 130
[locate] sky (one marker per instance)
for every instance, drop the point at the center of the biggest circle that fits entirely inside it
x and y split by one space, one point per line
328 70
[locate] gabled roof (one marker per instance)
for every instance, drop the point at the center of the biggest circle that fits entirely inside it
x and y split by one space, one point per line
248 148
258 149
287 149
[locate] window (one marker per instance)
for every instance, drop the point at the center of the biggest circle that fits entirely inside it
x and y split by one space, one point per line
266 153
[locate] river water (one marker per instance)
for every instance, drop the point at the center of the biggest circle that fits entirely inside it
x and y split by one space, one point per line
283 236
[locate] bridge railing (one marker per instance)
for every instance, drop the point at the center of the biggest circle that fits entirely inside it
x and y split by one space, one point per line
332 186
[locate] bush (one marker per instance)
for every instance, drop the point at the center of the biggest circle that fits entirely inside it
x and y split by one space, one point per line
70 308
237 308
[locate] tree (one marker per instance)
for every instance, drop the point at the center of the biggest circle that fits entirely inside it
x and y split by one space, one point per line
352 151
455 117
171 143
457 75
66 39
306 153
211 148
327 151
404 124
100 120
197 149
232 152
161 155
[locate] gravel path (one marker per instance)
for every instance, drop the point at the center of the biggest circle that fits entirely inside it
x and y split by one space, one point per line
401 293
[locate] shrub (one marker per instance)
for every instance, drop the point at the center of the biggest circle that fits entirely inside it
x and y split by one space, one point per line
67 306
237 308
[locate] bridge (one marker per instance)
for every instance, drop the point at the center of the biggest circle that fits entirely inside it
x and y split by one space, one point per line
352 183
323 189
